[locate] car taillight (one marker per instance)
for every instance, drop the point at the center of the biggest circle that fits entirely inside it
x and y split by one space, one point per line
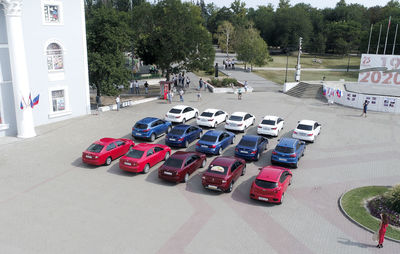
146 130
133 128
240 124
293 155
166 115
277 189
236 149
210 120
295 132
253 152
309 134
213 146
274 153
274 128
181 139
259 126
198 118
177 116
197 144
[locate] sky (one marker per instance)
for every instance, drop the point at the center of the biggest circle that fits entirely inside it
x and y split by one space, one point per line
314 3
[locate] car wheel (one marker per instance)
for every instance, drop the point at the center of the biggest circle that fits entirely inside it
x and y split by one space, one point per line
258 156
152 137
302 154
108 161
219 152
226 118
183 121
282 198
230 187
233 140
146 169
244 170
168 129
254 120
186 179
186 144
203 164
295 164
214 125
166 157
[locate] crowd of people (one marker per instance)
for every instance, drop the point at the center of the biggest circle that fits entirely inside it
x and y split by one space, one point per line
229 63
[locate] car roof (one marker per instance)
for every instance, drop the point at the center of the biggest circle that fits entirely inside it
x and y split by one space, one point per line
182 126
213 133
271 173
148 120
287 142
307 122
144 146
270 118
182 155
239 113
251 137
106 140
180 107
224 161
211 110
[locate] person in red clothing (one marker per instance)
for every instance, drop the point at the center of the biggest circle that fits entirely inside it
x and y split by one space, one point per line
382 229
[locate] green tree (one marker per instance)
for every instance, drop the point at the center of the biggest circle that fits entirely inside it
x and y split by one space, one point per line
263 19
108 37
225 35
177 39
343 36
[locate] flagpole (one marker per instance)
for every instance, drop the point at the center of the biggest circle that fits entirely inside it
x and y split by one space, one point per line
394 42
369 41
379 38
387 34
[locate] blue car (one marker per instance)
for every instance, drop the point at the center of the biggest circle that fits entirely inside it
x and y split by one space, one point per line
150 128
213 141
182 135
250 147
288 151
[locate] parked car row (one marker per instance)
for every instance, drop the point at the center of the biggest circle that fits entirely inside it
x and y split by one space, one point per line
221 174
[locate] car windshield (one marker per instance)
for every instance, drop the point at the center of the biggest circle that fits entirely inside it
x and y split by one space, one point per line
175 111
283 149
136 154
209 138
268 122
207 114
174 163
95 148
217 169
176 131
140 126
247 143
266 184
304 127
236 118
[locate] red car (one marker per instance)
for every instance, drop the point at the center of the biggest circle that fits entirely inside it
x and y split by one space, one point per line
271 183
143 156
180 165
223 172
105 150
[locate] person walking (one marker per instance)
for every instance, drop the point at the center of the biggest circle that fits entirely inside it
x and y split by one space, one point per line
199 96
137 87
131 86
245 86
187 82
118 102
382 229
239 93
200 83
146 87
181 95
365 107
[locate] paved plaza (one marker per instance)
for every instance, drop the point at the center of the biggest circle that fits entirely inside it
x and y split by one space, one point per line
52 203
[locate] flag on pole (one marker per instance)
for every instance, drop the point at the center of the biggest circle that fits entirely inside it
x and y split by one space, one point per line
30 100
35 101
21 106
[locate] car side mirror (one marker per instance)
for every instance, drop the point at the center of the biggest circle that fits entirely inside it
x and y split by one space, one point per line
303 143
279 140
298 121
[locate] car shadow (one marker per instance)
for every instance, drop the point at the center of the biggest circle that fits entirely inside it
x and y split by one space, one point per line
229 151
252 130
114 169
78 163
265 159
241 193
152 177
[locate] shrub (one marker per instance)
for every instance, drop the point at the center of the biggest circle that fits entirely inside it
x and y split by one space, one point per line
388 203
223 83
392 198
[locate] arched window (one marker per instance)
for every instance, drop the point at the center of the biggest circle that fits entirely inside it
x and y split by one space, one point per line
55 59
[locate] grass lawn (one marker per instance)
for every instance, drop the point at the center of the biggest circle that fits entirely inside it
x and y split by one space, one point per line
279 76
306 61
353 203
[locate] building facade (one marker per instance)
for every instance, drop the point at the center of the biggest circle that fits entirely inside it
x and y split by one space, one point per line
43 64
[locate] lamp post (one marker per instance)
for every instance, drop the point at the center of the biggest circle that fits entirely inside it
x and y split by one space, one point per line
287 63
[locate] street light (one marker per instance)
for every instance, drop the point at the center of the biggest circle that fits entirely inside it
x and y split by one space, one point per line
287 63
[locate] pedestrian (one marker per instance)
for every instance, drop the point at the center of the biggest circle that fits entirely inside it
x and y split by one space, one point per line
224 63
131 86
187 82
169 95
199 96
200 83
118 101
205 86
137 87
233 63
146 87
365 107
239 93
245 86
181 95
382 229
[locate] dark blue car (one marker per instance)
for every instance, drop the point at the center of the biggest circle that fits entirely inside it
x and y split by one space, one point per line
250 147
182 135
150 128
288 151
213 141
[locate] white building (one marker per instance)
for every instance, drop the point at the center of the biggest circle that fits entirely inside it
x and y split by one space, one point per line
43 55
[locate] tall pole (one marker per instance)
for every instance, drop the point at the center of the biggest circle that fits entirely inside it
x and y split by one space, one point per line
287 63
369 41
394 42
298 67
379 39
387 34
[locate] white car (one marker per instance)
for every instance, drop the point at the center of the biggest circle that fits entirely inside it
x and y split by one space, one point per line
270 125
307 130
181 113
212 117
239 121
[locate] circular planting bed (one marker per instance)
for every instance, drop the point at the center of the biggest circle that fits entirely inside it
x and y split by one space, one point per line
357 203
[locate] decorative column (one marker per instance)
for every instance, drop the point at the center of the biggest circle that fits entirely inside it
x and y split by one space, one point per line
19 70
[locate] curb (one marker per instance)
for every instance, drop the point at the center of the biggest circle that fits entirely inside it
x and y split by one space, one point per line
126 104
358 224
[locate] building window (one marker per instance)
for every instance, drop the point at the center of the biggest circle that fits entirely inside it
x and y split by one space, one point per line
55 59
51 13
58 99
